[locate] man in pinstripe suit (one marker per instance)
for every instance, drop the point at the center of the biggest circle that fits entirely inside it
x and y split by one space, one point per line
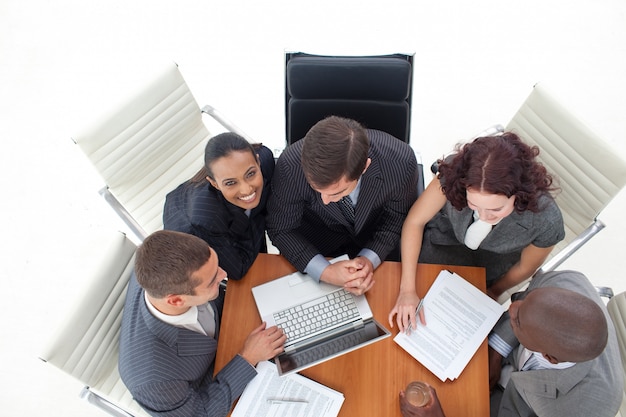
341 190
169 331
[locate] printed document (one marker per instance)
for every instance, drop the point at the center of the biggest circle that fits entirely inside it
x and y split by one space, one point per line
458 319
293 395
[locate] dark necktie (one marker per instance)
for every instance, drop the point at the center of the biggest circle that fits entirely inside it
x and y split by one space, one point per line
347 208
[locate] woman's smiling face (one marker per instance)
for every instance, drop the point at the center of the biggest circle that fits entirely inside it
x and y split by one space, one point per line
238 176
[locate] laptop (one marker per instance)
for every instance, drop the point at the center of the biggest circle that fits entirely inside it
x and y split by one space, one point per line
349 326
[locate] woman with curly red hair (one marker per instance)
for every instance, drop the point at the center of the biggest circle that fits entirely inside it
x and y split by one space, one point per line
490 206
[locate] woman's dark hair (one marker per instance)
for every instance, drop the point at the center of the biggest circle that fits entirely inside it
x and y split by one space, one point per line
219 146
496 165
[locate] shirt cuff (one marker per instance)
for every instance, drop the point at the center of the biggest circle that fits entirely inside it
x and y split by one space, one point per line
499 345
316 266
372 256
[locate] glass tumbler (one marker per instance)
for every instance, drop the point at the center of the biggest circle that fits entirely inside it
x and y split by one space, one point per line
417 393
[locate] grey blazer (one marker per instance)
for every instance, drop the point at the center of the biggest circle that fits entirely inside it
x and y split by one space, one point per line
301 226
592 388
169 370
502 248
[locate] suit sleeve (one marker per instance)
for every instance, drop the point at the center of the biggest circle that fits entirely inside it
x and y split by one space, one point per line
213 398
401 177
285 209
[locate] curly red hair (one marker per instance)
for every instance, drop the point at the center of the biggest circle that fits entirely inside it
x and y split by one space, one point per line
501 164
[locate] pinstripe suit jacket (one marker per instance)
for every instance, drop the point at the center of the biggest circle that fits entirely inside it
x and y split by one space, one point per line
169 370
592 388
302 226
202 211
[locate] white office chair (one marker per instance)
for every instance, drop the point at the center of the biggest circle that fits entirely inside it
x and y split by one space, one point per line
617 311
590 174
148 146
86 347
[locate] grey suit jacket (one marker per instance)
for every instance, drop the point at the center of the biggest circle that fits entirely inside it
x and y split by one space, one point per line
502 248
592 388
169 370
301 226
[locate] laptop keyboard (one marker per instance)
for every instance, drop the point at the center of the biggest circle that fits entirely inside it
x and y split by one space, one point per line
316 316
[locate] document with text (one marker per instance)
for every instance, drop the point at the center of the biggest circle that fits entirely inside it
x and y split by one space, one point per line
293 395
458 319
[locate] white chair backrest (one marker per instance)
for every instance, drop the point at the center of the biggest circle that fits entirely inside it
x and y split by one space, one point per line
589 172
617 311
87 345
148 146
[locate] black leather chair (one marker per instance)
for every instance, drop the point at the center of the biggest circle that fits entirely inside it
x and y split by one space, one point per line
374 90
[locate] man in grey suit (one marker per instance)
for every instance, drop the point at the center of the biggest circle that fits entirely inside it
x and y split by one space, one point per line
341 190
561 354
169 331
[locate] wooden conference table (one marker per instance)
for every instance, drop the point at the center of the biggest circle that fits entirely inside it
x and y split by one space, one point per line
370 377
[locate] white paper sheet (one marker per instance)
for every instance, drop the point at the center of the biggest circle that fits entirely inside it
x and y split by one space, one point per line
458 318
318 400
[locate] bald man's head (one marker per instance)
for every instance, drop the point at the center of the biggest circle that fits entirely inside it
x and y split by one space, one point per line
563 325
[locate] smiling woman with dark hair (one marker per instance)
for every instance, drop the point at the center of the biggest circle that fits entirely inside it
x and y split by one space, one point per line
224 203
490 206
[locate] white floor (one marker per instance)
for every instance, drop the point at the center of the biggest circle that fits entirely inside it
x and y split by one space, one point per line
64 62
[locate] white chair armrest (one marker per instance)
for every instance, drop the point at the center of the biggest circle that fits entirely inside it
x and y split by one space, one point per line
231 127
103 404
573 246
